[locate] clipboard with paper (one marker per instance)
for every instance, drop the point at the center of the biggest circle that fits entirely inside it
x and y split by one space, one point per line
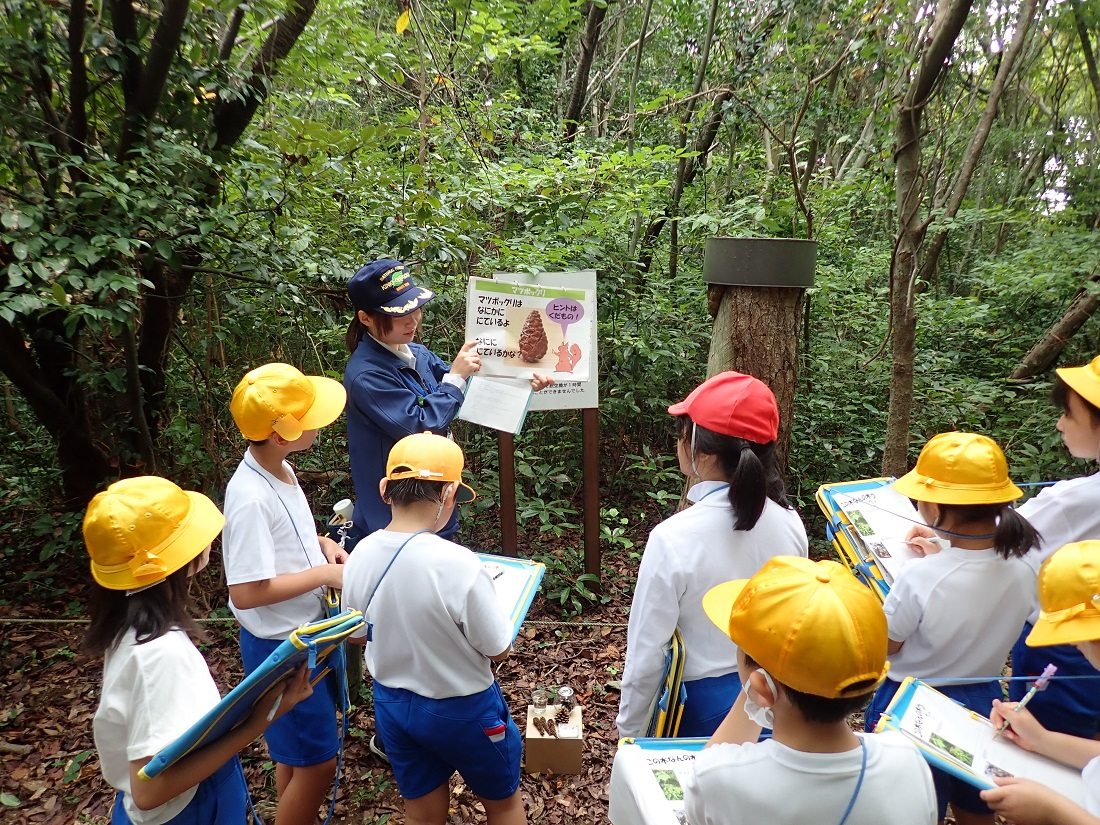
516 582
311 644
963 743
867 524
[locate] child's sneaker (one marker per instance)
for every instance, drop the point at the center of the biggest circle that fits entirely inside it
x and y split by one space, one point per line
378 748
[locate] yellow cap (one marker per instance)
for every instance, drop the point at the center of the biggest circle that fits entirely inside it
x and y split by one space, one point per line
1085 381
429 457
277 398
1069 596
811 625
141 530
959 468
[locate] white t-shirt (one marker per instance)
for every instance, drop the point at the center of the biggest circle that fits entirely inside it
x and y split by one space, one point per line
1065 512
1091 775
436 615
269 531
766 782
152 694
958 612
687 554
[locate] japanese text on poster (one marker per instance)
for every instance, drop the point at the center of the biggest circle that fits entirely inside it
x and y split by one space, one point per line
522 329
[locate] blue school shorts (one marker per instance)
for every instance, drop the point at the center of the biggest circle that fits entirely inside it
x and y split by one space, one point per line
1071 706
427 740
708 703
307 735
220 799
979 698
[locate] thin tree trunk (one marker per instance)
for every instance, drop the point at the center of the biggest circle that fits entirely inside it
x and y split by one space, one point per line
909 176
981 134
1086 49
631 115
589 43
1046 351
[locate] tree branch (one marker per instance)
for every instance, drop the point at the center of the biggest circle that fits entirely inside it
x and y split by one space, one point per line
78 81
229 37
143 105
232 117
125 29
589 41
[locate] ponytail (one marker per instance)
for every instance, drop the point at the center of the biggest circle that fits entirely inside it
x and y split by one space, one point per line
1014 535
355 333
751 468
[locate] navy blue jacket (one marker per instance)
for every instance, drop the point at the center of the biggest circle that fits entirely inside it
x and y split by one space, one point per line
387 401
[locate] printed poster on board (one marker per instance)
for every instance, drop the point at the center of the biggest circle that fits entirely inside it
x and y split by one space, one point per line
522 329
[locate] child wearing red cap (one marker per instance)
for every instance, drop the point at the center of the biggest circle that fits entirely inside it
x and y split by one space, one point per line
739 519
1065 512
146 538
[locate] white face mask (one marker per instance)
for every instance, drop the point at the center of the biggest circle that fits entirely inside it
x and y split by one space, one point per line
764 717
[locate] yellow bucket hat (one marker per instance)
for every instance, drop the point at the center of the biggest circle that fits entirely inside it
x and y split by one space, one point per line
1085 381
140 531
277 398
811 625
1069 596
959 468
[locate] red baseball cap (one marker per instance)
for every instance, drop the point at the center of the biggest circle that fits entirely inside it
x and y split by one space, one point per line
735 404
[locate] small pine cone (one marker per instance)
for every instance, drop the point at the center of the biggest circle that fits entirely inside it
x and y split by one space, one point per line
532 339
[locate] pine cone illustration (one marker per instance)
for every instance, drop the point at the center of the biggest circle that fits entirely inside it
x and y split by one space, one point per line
532 339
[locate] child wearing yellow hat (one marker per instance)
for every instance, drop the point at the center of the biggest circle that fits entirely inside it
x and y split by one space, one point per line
146 537
1069 598
811 650
1066 512
277 566
953 615
438 627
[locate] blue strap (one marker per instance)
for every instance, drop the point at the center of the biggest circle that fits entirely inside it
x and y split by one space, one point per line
388 566
859 782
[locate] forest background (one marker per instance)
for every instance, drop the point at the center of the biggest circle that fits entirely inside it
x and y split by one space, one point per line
185 188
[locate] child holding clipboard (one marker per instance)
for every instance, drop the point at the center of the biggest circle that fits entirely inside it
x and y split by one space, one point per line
1069 597
146 537
953 614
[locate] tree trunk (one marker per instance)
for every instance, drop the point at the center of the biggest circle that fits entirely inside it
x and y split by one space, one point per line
736 343
589 42
911 192
1043 354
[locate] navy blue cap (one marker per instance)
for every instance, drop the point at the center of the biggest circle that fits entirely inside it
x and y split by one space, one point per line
387 287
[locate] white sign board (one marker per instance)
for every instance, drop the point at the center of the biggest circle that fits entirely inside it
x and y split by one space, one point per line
566 394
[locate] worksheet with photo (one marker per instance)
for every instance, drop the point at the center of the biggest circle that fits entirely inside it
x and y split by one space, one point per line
880 518
965 743
648 779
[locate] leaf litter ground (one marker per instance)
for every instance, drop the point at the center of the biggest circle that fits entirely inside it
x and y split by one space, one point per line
49 689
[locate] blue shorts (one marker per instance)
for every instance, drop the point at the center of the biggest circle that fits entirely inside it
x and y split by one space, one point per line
1071 706
427 740
979 698
220 799
307 735
708 703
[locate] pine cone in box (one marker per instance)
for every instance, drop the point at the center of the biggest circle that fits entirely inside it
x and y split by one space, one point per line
532 339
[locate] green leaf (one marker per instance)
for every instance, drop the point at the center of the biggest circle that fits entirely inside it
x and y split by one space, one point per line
10 800
164 249
19 249
59 294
